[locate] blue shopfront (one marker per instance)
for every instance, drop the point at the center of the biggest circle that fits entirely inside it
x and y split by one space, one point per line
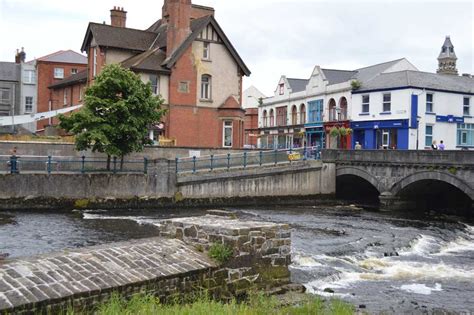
384 134
314 129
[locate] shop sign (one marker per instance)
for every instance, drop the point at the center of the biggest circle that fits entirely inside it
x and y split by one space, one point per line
450 119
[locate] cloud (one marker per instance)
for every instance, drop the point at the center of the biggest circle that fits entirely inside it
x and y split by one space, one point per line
274 37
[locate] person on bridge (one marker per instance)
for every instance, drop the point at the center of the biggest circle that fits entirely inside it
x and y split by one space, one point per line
357 146
441 146
434 146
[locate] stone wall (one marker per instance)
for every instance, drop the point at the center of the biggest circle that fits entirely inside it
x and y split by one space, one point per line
166 267
261 251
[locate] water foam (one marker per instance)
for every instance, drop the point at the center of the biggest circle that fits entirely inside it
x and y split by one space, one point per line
461 244
421 288
138 220
424 245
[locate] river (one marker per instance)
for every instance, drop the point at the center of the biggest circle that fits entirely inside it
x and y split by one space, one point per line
380 262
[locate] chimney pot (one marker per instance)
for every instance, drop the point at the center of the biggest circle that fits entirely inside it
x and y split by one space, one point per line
118 17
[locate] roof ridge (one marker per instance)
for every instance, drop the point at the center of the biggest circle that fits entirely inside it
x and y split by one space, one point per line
124 28
296 79
338 70
379 64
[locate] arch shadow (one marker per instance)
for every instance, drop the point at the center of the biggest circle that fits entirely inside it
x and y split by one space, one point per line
435 176
348 170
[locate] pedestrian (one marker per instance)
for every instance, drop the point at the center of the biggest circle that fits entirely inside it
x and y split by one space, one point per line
441 146
14 162
434 146
357 146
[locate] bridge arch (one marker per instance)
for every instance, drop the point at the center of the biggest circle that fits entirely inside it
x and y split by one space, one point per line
450 179
354 171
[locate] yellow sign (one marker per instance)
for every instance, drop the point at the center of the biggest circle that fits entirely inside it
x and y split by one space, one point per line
294 156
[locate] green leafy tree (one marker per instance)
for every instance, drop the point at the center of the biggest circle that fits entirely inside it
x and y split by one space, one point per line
118 110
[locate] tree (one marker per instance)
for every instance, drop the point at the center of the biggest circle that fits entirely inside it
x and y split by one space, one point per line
118 110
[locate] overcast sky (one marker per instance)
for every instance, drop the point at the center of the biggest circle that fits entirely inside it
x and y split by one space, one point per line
274 37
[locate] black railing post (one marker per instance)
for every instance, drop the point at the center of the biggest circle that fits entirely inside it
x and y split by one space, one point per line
260 157
177 161
115 165
212 162
83 164
145 165
245 159
228 161
49 164
194 164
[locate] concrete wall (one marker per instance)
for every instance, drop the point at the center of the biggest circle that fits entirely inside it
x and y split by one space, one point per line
64 149
302 179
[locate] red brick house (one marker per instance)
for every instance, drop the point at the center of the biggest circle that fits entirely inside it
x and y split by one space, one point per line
189 61
52 69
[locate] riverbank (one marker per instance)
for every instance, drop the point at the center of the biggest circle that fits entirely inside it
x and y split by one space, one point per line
257 304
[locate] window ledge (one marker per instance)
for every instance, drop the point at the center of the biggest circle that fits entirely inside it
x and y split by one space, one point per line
430 113
364 114
386 113
206 60
205 100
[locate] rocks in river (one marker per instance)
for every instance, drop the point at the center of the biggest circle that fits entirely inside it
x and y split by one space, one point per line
222 213
362 306
390 254
6 219
328 290
4 256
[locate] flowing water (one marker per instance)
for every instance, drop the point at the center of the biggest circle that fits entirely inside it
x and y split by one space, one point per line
380 262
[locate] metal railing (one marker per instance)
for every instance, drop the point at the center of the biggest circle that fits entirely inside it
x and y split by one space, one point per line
70 164
245 160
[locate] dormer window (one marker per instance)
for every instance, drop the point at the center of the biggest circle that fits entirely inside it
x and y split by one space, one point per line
206 52
282 89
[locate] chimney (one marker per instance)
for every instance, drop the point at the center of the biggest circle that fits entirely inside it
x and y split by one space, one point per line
177 14
20 56
118 17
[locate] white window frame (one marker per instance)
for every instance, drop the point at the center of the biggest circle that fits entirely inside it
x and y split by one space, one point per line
155 88
74 71
6 100
29 106
65 97
430 103
94 66
429 135
206 87
59 73
227 125
466 108
29 76
387 103
366 104
206 51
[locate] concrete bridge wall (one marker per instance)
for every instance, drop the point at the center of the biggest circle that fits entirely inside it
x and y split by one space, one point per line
305 178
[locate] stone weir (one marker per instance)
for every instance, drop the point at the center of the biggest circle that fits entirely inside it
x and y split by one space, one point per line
169 267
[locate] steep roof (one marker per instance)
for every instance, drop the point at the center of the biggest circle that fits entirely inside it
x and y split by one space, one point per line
197 26
424 80
297 85
447 51
368 73
150 60
338 76
80 77
9 71
118 37
65 56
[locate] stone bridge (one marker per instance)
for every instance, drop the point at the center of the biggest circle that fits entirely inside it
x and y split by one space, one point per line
402 177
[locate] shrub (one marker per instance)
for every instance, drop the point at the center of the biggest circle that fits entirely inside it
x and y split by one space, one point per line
220 252
356 84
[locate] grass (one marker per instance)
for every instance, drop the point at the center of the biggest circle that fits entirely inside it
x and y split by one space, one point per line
258 304
220 252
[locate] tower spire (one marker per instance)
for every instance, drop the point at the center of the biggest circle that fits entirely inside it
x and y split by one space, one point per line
447 58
